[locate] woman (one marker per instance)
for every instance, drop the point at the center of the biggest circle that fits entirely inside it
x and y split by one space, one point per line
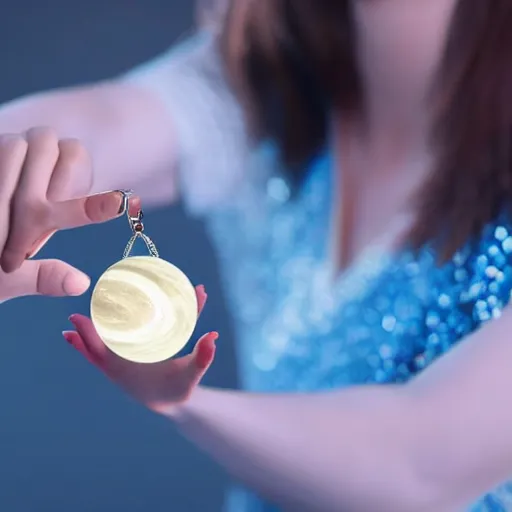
365 276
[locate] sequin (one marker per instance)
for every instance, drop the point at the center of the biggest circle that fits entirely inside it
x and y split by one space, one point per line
383 321
278 189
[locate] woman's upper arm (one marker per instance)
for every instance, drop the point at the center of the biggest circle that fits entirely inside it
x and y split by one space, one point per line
463 414
207 121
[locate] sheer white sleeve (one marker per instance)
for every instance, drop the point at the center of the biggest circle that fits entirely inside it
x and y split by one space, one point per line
207 118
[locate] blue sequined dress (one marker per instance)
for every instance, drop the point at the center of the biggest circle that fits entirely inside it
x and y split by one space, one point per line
386 319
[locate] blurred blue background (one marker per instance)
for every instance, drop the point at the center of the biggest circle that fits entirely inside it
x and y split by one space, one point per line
69 440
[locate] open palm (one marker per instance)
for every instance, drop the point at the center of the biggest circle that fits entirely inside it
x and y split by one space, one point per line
159 386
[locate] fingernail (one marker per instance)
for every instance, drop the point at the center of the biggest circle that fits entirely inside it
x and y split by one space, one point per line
103 207
67 335
72 319
215 336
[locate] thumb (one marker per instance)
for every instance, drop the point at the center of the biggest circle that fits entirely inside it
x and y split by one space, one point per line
44 277
203 354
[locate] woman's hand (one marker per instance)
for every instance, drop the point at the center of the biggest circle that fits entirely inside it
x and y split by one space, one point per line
44 182
161 387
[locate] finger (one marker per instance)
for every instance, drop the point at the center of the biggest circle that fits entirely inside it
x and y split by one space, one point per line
75 340
42 155
29 211
39 244
35 226
44 277
94 209
195 365
98 208
91 340
13 149
25 228
134 206
72 175
201 298
204 353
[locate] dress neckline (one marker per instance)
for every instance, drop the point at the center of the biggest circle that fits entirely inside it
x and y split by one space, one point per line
371 259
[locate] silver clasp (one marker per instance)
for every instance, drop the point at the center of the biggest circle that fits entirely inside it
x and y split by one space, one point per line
136 222
136 225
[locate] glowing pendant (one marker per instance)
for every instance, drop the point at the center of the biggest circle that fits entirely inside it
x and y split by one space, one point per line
143 307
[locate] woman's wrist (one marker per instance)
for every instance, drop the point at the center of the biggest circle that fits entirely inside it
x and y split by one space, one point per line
184 411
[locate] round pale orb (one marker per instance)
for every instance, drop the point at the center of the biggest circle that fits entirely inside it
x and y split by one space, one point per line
144 309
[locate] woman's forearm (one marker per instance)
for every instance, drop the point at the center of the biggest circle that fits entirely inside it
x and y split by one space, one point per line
324 452
125 129
175 114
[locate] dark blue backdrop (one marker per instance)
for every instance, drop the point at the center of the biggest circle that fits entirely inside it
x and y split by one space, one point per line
69 440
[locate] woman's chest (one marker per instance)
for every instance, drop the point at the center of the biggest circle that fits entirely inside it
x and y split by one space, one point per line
384 321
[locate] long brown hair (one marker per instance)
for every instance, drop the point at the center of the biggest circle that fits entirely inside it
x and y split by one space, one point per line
292 60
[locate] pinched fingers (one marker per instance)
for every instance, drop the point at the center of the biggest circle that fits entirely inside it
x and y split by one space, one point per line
43 188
